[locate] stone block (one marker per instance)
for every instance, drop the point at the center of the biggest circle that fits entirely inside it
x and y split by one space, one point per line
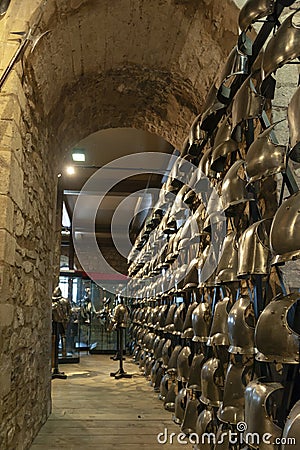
5 375
5 167
7 248
6 314
6 213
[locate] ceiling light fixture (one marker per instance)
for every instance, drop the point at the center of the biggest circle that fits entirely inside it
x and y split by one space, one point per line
78 155
70 170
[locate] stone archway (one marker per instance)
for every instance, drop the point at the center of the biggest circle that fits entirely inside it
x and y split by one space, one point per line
104 64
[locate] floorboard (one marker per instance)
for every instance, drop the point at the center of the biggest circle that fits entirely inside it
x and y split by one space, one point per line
92 410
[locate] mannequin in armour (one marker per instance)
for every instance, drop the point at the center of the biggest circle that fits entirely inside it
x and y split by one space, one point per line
61 313
87 309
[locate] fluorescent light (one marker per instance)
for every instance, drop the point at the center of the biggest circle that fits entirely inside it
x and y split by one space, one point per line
78 155
70 170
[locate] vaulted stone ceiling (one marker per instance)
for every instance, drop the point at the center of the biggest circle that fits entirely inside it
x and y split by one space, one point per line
128 63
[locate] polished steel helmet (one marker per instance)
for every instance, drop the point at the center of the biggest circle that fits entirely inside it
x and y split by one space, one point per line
180 405
191 413
179 317
212 382
172 363
121 316
254 250
201 319
286 223
204 426
241 327
187 332
234 192
257 417
232 408
219 329
293 120
274 338
166 351
247 104
224 145
184 364
213 110
292 427
169 323
228 263
195 372
236 64
254 10
264 157
283 46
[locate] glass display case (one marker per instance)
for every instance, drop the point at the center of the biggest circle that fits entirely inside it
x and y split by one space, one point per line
87 331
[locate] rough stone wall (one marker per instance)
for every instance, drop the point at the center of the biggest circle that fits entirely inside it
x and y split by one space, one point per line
104 64
27 201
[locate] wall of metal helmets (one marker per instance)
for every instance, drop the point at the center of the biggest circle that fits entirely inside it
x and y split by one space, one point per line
214 327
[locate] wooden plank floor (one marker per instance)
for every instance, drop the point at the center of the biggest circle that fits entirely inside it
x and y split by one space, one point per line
93 410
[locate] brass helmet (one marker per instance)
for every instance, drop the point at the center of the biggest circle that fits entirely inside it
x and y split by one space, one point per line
264 157
241 327
184 364
234 192
292 426
212 389
286 223
274 338
257 417
254 250
293 120
283 46
247 104
254 10
224 145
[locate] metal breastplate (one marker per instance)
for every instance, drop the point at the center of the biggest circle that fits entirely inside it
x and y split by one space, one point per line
254 10
191 279
228 264
236 64
223 146
166 351
172 364
286 223
247 104
169 323
191 414
241 334
158 352
274 339
187 326
232 408
256 414
292 427
254 251
195 372
219 329
183 364
180 404
264 157
293 120
204 424
156 345
213 110
179 318
234 191
283 46
211 383
201 319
